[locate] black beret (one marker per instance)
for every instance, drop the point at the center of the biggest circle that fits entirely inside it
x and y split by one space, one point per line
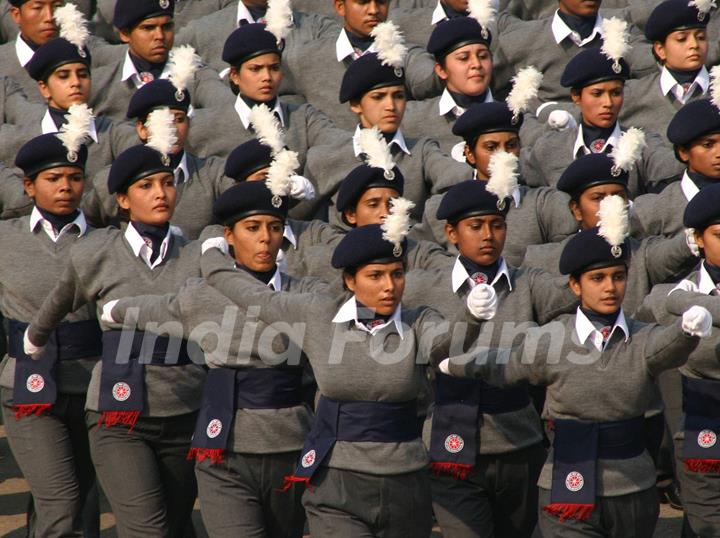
365 177
53 54
47 151
246 159
588 171
483 118
246 199
132 165
368 73
704 208
672 15
590 66
470 199
157 94
588 250
129 13
364 245
17 3
454 33
692 121
249 41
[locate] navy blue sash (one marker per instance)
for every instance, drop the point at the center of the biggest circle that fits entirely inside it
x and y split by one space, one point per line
122 382
576 448
458 403
228 389
35 389
701 405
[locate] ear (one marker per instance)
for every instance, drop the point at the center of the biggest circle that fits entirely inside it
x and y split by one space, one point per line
451 233
440 72
576 96
699 239
350 215
16 15
469 156
349 281
659 50
575 286
29 186
683 153
44 90
124 35
229 237
575 210
141 131
123 200
356 107
339 7
234 74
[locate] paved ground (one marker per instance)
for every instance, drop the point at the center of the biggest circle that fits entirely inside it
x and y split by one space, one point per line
14 495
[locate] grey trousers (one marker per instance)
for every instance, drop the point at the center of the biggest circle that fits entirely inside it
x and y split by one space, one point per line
625 516
242 496
53 455
345 503
498 498
700 496
145 474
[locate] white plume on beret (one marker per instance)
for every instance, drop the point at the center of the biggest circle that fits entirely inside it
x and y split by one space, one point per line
73 25
629 149
503 171
703 6
279 18
615 40
376 149
613 224
182 64
483 11
282 167
526 84
162 134
75 132
397 224
389 44
267 128
715 86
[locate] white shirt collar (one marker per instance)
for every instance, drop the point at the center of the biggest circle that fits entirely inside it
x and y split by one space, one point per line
244 111
290 235
585 328
561 31
141 249
243 14
129 71
448 104
705 282
438 14
276 280
688 187
23 51
47 126
348 312
184 167
613 140
460 275
398 140
669 84
37 218
343 47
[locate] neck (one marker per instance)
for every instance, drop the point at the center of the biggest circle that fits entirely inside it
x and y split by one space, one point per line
263 276
58 221
603 320
250 102
701 180
466 101
352 34
452 13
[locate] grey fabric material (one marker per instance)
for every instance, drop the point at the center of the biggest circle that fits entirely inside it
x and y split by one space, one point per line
415 22
700 495
53 454
422 119
535 298
625 516
535 9
14 103
101 268
656 166
145 474
542 217
351 364
654 260
577 383
347 503
659 214
499 497
311 236
14 203
242 496
195 196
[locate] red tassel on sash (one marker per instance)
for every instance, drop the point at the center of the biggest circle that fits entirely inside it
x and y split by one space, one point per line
112 418
28 410
570 511
459 471
215 455
292 479
702 466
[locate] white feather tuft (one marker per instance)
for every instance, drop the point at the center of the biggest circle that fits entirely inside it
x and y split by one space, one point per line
75 132
715 86
279 18
267 128
73 25
376 149
389 44
397 224
483 11
526 84
629 149
703 6
613 224
162 134
503 168
183 63
615 40
281 170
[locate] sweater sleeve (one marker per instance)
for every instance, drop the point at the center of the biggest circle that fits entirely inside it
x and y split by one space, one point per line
667 348
679 300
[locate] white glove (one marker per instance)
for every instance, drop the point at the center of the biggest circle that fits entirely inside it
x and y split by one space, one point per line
106 315
444 366
691 243
560 120
215 242
697 321
31 349
482 301
301 188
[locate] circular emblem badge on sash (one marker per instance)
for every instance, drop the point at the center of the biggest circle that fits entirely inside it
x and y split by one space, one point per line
308 459
35 383
707 439
454 443
214 428
479 278
121 391
574 481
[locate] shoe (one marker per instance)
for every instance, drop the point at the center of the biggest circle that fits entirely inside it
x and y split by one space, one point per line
671 495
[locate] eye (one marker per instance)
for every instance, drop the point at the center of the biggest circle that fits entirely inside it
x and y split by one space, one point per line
252 228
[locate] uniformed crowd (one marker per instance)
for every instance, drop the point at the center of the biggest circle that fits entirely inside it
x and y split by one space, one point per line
362 267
